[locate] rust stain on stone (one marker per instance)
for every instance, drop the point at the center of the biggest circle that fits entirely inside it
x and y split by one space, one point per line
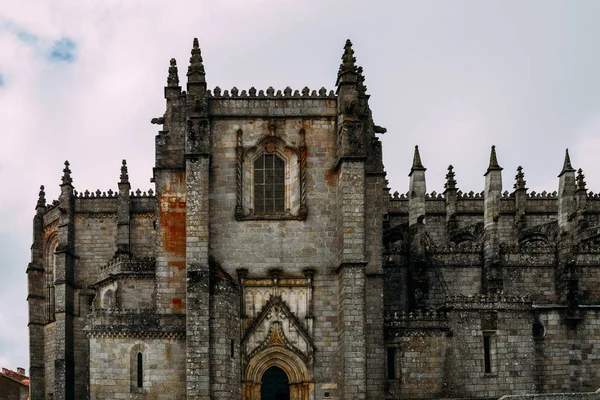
330 177
173 224
307 123
289 152
180 265
177 303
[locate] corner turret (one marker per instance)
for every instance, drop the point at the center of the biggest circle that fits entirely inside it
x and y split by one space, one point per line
493 190
196 84
581 201
566 195
348 72
450 194
520 197
123 212
349 107
172 90
64 288
41 203
417 190
492 274
66 178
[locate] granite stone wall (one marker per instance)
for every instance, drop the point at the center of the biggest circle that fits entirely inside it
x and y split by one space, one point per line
113 369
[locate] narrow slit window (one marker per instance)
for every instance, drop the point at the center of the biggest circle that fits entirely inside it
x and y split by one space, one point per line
269 184
50 307
391 363
487 357
140 371
489 353
232 348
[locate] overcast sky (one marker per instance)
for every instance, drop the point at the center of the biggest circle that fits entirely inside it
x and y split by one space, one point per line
80 80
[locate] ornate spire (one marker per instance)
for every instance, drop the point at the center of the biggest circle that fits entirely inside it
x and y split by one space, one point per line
66 178
173 79
567 164
196 68
450 181
417 164
580 180
520 179
124 174
494 161
41 198
348 62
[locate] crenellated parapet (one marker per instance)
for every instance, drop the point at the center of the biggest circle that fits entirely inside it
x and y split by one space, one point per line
287 93
139 322
493 301
505 239
418 323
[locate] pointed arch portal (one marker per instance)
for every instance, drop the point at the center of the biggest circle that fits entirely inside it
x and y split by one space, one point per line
275 385
266 368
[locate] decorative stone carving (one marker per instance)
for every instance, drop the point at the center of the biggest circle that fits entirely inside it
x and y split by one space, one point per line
278 329
295 166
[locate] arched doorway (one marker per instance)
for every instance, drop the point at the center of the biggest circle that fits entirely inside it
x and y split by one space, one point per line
275 385
276 358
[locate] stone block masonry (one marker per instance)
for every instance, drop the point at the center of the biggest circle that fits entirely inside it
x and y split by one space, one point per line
271 261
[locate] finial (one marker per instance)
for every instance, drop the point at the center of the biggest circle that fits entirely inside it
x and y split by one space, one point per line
494 161
173 79
348 61
450 181
66 178
348 56
124 174
417 165
41 198
567 164
520 179
196 67
580 180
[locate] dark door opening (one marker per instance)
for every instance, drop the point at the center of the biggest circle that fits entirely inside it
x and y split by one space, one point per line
275 385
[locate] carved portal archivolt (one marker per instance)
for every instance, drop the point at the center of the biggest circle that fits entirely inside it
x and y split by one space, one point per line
277 325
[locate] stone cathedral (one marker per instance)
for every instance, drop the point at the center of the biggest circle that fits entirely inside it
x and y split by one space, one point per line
272 261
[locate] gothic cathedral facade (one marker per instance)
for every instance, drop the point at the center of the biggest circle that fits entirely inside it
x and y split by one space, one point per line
272 262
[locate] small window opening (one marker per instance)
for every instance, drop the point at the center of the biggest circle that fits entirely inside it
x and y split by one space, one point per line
140 371
538 330
489 353
50 306
487 357
391 363
232 348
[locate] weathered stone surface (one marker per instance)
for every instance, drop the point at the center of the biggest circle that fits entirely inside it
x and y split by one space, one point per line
353 293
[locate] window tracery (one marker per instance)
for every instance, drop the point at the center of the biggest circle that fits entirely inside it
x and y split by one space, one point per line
271 179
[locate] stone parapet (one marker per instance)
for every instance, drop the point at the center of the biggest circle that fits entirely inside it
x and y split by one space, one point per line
489 301
135 322
126 266
555 396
